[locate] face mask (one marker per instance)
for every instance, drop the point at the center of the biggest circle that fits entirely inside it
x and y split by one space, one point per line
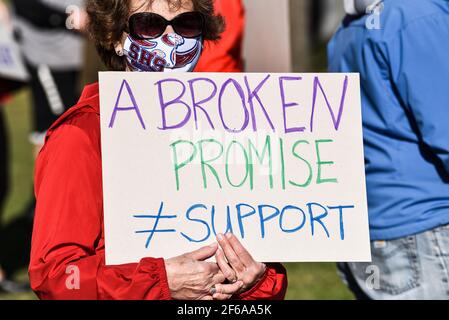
168 53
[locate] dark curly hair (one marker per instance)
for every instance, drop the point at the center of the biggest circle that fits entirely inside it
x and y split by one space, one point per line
108 19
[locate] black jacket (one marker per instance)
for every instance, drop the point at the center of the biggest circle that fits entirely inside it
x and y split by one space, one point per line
39 14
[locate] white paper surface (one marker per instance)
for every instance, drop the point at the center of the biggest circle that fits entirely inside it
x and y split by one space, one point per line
306 201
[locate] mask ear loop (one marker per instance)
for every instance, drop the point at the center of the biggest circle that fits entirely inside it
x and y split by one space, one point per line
119 52
118 46
202 43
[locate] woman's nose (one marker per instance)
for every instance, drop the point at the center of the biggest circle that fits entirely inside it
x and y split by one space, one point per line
168 30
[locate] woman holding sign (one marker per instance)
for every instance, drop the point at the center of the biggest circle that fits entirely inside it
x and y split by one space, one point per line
68 249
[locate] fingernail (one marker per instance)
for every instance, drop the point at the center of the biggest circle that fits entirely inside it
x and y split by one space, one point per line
220 236
240 284
213 245
229 235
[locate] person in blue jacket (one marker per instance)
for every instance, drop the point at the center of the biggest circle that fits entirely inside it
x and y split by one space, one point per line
401 50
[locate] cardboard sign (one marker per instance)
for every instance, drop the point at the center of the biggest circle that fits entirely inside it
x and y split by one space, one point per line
11 63
277 159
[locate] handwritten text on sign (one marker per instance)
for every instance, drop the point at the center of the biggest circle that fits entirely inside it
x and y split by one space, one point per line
277 159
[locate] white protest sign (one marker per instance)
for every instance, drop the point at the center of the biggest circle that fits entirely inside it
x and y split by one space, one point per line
11 63
277 159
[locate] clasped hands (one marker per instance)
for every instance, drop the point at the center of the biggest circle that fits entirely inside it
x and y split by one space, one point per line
191 277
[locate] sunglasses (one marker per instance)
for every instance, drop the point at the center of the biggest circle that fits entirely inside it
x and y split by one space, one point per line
149 25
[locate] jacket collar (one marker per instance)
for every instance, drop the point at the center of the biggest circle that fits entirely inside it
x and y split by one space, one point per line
89 102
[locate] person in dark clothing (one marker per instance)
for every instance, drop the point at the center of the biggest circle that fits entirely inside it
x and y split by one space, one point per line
53 51
8 262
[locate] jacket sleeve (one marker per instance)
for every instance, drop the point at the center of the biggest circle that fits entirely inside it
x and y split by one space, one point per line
419 62
225 55
67 256
272 286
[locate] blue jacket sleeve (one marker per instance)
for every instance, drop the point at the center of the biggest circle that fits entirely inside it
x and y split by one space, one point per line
419 61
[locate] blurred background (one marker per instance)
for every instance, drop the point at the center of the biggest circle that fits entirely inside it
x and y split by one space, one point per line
298 31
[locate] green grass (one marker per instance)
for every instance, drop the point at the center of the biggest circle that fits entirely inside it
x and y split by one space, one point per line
306 280
315 281
21 187
19 123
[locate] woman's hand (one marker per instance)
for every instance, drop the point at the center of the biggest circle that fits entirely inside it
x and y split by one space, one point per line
238 266
190 277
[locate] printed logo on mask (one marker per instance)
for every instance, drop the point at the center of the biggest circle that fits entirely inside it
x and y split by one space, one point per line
168 53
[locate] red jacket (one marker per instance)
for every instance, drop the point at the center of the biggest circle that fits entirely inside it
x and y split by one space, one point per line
68 235
226 54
